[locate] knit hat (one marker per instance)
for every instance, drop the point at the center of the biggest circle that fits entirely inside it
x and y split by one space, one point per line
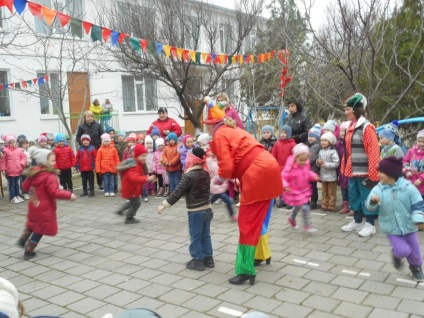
345 125
420 134
40 156
138 150
122 134
184 140
160 142
357 100
394 125
155 131
315 131
287 129
110 129
267 128
329 137
9 299
85 137
140 136
198 152
172 136
204 139
131 137
299 149
9 139
388 134
148 139
41 138
60 137
391 166
330 125
20 137
105 137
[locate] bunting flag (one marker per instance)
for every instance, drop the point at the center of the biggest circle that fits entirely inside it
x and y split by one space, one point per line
25 84
100 33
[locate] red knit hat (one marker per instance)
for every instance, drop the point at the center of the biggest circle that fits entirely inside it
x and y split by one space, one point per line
139 149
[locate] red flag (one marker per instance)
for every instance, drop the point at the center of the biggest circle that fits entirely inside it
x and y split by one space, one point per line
24 84
122 36
8 4
106 34
87 26
35 9
186 57
12 85
247 59
226 59
63 18
46 78
273 53
174 52
217 59
208 58
35 80
143 44
1 87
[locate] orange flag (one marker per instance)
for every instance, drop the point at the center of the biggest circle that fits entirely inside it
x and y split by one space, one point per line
49 14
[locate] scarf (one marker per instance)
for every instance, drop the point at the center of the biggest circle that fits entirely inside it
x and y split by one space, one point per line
193 160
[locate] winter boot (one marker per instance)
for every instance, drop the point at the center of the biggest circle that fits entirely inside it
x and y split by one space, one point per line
29 250
24 237
160 192
196 264
417 272
209 262
345 208
166 191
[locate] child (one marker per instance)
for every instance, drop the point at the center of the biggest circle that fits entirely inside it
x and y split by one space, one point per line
314 146
85 163
12 164
388 146
282 150
155 134
139 139
328 161
130 144
111 132
343 180
107 159
195 186
398 202
219 191
171 161
150 186
413 163
297 191
230 111
50 141
121 144
186 145
133 179
43 187
333 127
24 145
394 125
65 160
203 141
158 167
268 139
42 142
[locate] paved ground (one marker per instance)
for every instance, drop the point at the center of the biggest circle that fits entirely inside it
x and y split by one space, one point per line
97 265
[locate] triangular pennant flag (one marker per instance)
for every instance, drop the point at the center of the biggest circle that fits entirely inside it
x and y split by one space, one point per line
237 58
35 80
76 27
186 56
264 57
226 58
24 84
208 58
8 4
12 85
192 55
260 58
29 83
5 86
273 53
180 53
87 26
106 34
122 36
96 33
143 45
241 59
135 44
1 87
167 50
280 55
48 14
198 57
252 59
46 78
269 56
20 5
115 38
35 9
40 80
230 59
174 52
151 48
204 57
234 60
18 85
213 56
159 48
63 18
217 59
222 58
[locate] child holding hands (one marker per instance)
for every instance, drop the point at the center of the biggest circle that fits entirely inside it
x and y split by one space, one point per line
400 206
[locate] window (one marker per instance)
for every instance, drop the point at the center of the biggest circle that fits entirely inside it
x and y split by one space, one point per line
50 94
225 33
139 93
41 26
4 96
137 20
191 32
250 40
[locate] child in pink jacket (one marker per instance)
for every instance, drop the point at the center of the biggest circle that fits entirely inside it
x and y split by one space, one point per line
157 167
13 163
230 111
296 176
413 163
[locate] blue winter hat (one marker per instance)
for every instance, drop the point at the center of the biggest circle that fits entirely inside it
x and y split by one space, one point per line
110 129
267 128
155 131
315 131
394 125
60 138
172 136
388 134
287 129
122 134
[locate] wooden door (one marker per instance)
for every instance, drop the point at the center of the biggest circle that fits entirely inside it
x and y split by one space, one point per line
79 96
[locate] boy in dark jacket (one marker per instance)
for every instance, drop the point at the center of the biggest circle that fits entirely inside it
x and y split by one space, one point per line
65 160
85 163
195 185
314 145
268 139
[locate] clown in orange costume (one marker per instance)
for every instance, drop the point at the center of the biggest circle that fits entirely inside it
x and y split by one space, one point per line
241 156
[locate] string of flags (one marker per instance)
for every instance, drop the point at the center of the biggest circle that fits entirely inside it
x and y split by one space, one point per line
25 84
103 34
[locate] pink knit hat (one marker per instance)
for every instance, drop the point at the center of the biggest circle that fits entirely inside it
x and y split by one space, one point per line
299 149
131 137
9 139
184 140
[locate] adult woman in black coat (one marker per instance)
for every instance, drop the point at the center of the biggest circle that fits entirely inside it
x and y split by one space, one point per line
298 122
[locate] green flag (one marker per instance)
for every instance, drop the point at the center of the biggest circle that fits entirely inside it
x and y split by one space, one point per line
96 33
135 43
198 55
151 48
76 27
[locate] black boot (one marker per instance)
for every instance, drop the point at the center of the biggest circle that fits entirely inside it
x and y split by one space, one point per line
209 262
196 264
240 279
132 220
91 194
84 194
417 272
24 237
259 261
29 250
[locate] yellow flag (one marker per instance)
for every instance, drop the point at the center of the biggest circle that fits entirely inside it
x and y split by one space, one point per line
233 60
192 55
167 50
222 58
252 59
180 53
204 57
241 57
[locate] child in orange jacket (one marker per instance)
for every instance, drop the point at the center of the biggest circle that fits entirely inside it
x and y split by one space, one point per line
107 159
171 161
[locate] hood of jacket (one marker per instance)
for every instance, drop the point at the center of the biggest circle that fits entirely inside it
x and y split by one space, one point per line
36 174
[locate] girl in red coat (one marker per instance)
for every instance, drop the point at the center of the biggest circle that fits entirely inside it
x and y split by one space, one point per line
85 163
43 189
133 180
65 160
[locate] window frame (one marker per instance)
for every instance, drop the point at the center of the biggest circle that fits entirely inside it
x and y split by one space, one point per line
53 111
137 83
6 91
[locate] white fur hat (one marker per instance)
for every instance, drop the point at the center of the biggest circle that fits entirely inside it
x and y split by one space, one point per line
204 138
8 299
41 156
299 149
160 142
148 139
330 137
